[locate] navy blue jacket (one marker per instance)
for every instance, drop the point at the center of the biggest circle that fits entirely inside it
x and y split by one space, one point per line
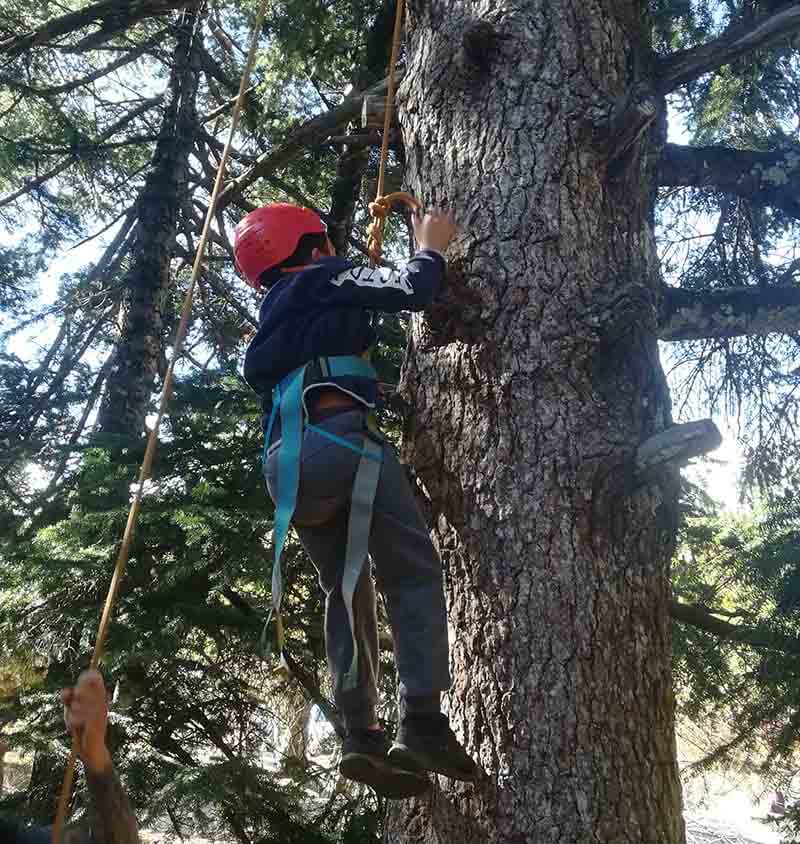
325 310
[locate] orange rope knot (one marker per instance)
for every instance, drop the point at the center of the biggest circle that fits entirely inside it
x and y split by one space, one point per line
380 210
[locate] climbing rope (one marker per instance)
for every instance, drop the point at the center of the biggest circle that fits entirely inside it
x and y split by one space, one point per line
380 210
152 442
382 205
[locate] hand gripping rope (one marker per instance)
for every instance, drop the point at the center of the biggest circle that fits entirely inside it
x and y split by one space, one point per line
152 442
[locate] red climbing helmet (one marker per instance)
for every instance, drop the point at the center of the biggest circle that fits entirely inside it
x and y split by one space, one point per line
269 235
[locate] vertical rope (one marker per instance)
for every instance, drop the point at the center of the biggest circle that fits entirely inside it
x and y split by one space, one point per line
166 393
382 205
390 92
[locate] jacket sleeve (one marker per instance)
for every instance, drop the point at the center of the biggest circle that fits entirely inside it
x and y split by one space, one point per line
383 289
110 819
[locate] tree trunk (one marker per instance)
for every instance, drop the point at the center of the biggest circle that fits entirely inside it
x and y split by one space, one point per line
531 398
146 284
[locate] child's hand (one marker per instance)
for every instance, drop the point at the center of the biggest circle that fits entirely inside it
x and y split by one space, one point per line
433 230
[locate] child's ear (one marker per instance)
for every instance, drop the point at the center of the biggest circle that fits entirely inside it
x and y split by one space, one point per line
327 251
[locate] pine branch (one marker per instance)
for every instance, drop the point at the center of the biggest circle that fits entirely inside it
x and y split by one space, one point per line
738 40
700 617
33 183
728 312
219 286
225 107
766 178
214 69
65 369
309 134
115 15
312 690
68 87
58 473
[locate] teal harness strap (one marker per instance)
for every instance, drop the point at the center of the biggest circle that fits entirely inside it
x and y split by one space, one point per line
287 401
291 398
349 365
276 401
358 530
342 442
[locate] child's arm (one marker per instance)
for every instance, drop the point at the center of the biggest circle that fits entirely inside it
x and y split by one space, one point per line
410 289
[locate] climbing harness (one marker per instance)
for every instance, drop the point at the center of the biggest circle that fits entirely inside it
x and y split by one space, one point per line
289 405
152 441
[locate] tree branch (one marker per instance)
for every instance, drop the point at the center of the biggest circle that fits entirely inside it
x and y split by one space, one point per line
67 87
226 106
213 68
728 312
312 690
701 618
32 183
107 11
767 178
310 133
738 40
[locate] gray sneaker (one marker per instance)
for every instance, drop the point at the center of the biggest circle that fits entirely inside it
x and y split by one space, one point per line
365 758
426 743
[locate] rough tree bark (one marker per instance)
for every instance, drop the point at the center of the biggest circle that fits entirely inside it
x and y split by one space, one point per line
146 283
532 391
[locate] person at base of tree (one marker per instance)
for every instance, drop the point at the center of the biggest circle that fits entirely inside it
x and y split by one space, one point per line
319 306
109 818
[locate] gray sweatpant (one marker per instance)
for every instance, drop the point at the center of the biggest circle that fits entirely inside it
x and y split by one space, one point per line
407 569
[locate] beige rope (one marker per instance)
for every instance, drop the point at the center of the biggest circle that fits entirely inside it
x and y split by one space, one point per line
380 208
152 442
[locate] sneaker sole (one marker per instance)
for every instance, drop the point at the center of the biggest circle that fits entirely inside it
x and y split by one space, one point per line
419 762
388 780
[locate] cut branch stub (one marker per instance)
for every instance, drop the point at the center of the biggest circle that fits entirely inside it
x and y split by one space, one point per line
677 445
373 113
